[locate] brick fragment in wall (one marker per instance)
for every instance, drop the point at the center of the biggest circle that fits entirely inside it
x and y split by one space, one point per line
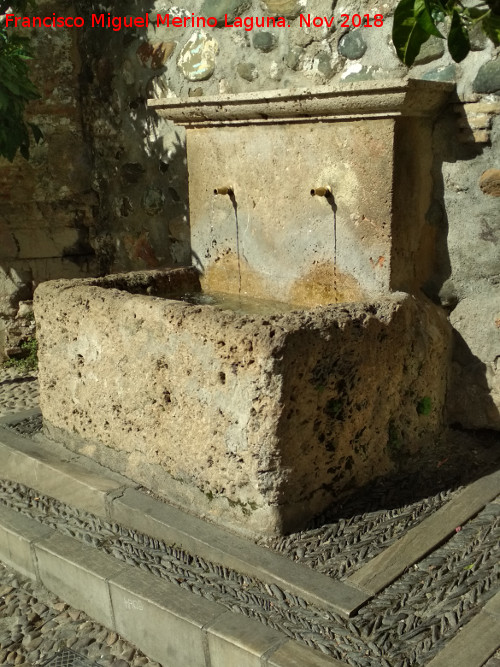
474 121
155 55
489 183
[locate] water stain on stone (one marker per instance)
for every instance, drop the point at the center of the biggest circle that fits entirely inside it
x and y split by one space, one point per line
324 284
225 273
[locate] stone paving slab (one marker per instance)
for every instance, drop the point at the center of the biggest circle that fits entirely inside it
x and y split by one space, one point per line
162 617
55 471
418 542
293 655
155 615
17 535
231 641
77 573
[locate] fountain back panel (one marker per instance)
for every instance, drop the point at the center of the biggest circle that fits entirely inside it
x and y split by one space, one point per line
258 420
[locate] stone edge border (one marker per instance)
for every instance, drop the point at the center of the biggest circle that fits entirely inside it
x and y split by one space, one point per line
81 482
476 642
54 471
412 547
164 621
364 99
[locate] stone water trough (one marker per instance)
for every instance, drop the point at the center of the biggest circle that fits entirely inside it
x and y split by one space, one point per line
301 364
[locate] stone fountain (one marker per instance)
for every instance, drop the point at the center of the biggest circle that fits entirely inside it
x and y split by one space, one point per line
293 361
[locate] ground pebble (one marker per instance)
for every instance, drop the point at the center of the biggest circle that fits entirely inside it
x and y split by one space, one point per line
101 636
111 638
128 654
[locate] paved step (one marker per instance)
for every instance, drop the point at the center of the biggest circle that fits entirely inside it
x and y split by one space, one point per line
71 478
195 632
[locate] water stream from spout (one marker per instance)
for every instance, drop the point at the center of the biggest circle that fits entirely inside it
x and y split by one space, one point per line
331 200
235 207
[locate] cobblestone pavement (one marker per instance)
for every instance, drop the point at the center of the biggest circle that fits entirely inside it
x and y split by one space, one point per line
405 625
35 625
18 390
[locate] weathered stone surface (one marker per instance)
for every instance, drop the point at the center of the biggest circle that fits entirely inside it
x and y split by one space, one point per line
197 57
257 422
155 54
360 73
264 41
153 201
490 182
432 49
219 8
293 57
474 397
352 45
488 78
478 38
288 8
132 172
448 73
324 64
247 71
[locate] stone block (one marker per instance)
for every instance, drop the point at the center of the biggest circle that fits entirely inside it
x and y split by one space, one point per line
163 619
474 395
55 471
17 535
293 654
237 640
78 574
257 422
490 182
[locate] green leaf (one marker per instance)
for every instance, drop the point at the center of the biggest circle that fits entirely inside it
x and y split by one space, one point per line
407 33
425 19
491 26
424 406
458 38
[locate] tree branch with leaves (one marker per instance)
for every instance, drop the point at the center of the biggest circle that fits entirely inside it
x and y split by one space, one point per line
415 21
16 87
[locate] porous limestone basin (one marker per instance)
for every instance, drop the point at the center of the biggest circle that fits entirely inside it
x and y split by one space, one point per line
255 422
259 419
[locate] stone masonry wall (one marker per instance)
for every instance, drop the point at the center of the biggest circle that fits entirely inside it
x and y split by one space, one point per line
46 204
139 172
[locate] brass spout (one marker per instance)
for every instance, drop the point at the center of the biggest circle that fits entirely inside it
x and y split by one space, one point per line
225 190
321 192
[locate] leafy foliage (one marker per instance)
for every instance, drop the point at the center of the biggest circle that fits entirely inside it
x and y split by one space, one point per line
29 359
16 88
417 20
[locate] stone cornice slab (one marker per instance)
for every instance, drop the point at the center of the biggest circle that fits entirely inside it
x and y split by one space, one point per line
406 97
